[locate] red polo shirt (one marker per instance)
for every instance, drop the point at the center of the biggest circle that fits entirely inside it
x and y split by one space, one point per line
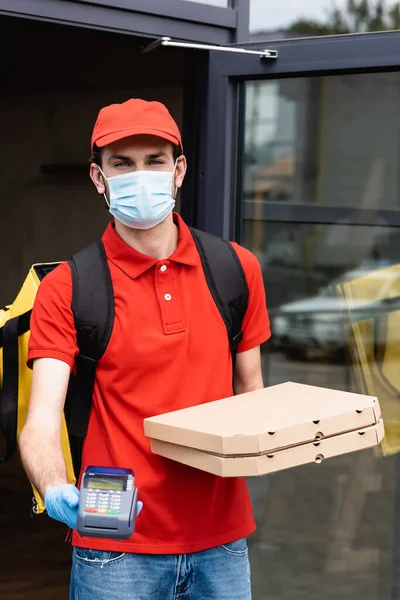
168 350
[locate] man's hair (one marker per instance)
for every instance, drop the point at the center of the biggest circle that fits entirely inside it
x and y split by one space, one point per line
96 154
95 158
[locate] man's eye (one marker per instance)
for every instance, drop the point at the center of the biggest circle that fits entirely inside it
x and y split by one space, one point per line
121 164
156 162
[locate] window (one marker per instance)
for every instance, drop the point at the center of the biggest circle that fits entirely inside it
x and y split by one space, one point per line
319 204
278 19
325 140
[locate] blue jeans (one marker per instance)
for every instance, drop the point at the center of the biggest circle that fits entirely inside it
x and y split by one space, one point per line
222 573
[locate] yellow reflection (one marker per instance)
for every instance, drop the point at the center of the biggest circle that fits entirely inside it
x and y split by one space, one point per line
373 332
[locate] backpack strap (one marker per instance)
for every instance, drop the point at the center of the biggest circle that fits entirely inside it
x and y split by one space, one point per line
9 392
226 281
93 309
23 325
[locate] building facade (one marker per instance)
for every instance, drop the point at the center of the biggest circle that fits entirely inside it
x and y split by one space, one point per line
296 155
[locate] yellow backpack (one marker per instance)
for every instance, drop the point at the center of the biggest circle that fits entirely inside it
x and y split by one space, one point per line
373 329
15 377
93 308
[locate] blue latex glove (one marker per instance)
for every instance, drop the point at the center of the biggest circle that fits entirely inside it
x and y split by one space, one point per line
62 503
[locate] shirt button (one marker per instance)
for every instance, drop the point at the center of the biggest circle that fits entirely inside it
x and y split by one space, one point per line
163 268
168 297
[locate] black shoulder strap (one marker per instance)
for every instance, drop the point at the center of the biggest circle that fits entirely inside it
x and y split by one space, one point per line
227 282
23 324
93 309
9 392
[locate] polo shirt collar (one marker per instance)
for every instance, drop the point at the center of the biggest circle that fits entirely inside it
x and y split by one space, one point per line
134 263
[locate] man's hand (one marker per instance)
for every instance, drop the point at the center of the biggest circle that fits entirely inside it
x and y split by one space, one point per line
62 503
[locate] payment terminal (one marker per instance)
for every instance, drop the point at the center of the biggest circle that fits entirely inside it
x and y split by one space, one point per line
108 503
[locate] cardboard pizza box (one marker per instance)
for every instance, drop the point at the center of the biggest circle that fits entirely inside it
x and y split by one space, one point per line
253 465
266 420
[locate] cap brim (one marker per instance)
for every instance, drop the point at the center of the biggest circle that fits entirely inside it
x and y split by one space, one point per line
105 140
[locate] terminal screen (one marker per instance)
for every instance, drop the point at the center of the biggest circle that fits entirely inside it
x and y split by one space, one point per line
106 483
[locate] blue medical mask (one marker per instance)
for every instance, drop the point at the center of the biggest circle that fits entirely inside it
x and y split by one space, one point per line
141 199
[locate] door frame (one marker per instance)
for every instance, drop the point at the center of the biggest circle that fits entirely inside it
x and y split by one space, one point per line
217 168
179 19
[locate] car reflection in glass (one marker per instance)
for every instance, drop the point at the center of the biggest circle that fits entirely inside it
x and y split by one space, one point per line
316 326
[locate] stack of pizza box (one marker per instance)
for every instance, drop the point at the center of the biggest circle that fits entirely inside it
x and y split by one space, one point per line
268 430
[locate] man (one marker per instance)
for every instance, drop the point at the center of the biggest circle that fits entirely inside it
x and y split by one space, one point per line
168 350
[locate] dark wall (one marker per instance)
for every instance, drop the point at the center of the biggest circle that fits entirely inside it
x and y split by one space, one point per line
55 79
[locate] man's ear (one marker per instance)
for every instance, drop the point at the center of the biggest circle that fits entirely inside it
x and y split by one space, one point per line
180 172
97 179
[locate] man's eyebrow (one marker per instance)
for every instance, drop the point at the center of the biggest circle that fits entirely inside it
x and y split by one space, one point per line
119 157
156 155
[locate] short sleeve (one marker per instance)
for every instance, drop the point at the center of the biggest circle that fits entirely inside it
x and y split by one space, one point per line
53 333
256 325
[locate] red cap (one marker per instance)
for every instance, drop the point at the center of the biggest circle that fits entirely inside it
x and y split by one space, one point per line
134 117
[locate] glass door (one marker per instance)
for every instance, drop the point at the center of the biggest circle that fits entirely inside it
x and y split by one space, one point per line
305 151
